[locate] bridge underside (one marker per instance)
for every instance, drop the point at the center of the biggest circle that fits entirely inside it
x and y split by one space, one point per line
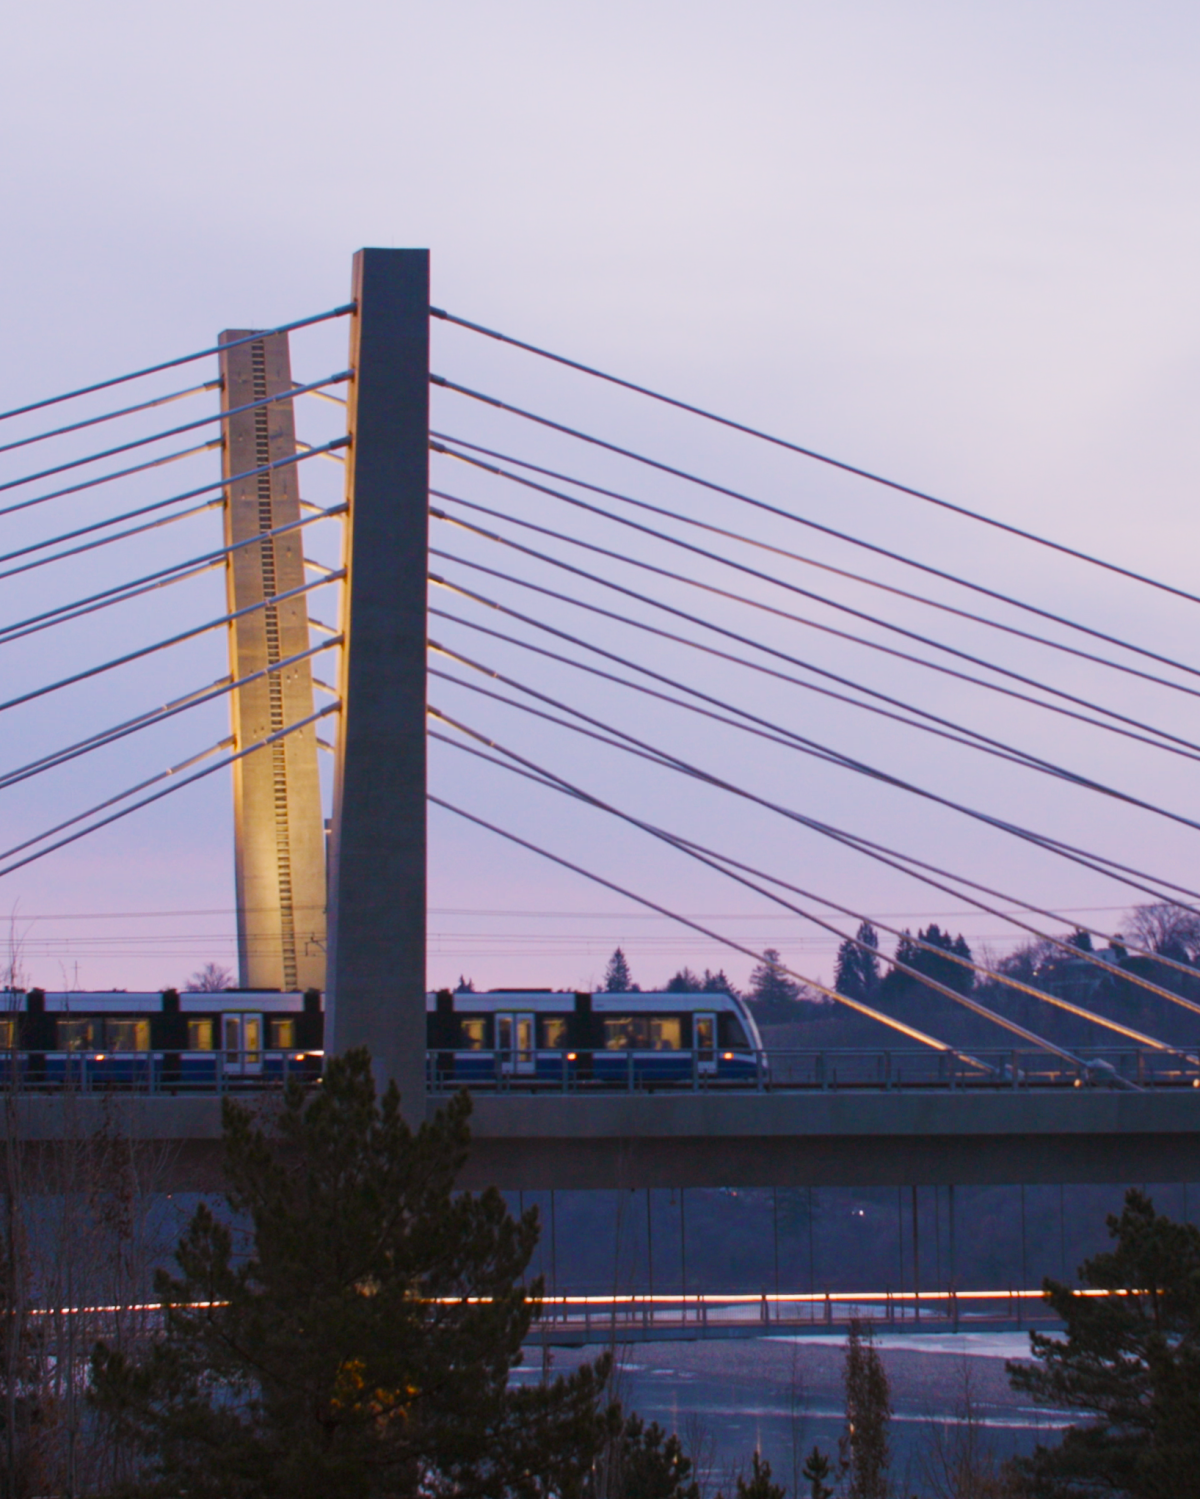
710 1140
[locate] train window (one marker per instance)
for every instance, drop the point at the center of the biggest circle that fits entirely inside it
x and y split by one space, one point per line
282 1034
736 1035
253 1035
625 1032
8 1034
472 1032
666 1032
200 1035
554 1032
75 1035
127 1035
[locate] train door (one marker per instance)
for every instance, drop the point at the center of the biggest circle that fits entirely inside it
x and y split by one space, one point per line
704 1038
515 1044
241 1037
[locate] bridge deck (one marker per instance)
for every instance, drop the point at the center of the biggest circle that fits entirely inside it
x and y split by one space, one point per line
745 1139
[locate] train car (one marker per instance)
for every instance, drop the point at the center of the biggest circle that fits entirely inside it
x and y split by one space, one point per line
168 1041
537 1037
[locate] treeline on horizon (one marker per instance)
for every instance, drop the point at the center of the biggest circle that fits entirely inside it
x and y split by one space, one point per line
793 1014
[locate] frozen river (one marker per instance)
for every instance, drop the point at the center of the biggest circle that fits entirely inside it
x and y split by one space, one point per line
780 1395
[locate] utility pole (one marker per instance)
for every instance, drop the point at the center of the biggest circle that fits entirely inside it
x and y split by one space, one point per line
376 992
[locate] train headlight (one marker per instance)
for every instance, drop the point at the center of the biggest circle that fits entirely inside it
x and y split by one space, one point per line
727 1056
572 1056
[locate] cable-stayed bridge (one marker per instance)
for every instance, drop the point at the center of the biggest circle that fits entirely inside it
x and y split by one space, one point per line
576 598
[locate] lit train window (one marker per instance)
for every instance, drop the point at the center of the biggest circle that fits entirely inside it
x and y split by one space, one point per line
472 1033
8 1034
282 1034
554 1032
200 1035
666 1033
75 1035
127 1035
643 1033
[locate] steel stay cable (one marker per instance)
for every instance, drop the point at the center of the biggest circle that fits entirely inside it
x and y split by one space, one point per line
1165 741
796 742
149 650
120 473
157 715
801 520
1168 742
121 796
170 364
783 613
837 463
642 750
779 551
1054 845
177 786
729 942
1022 756
90 546
139 468
717 861
174 574
187 494
109 416
141 442
1014 757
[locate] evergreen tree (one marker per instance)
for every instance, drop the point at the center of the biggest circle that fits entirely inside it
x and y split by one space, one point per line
1081 941
864 1446
922 954
856 971
684 981
717 983
773 994
617 977
760 1484
816 1470
359 1345
1130 1362
652 1465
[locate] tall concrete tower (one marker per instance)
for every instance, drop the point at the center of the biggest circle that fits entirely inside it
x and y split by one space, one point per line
279 831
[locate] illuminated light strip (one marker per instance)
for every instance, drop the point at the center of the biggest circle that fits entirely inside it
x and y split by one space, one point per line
705 1298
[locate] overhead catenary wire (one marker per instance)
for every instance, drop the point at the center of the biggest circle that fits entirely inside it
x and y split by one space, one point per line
155 716
766 608
734 946
824 458
163 577
717 861
177 786
619 739
171 364
778 551
142 442
171 640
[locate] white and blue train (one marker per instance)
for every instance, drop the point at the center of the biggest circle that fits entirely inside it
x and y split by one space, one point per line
194 1041
505 1035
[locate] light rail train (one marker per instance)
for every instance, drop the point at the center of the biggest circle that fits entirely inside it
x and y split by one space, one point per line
244 1039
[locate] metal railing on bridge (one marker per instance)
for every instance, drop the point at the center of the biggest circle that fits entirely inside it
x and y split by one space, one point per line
826 1070
637 1317
161 1072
